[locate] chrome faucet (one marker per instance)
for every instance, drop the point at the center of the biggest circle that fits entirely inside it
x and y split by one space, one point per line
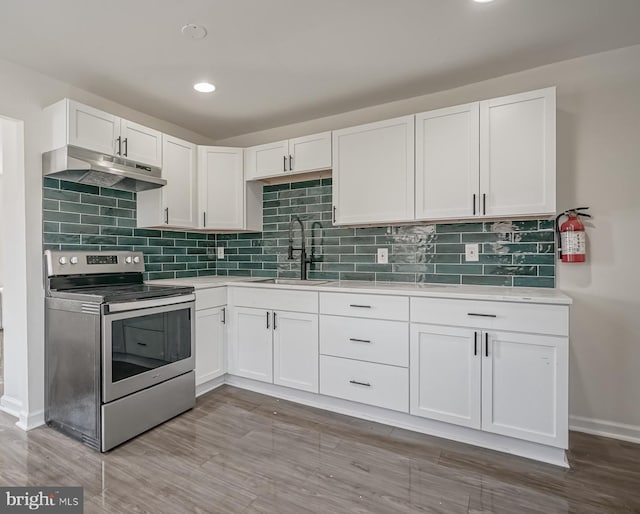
304 260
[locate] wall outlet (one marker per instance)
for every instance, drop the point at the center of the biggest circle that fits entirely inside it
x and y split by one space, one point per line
220 252
471 252
383 256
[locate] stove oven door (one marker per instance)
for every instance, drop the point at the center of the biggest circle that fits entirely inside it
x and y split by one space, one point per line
146 342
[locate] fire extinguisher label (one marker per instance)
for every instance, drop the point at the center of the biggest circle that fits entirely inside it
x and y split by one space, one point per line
574 243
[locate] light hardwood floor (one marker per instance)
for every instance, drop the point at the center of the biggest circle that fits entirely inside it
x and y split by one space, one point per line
239 451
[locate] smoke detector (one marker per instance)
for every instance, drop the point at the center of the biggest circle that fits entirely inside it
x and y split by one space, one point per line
193 31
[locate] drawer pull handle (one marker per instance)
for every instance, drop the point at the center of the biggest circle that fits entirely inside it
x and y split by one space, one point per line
481 315
141 344
366 384
356 340
359 306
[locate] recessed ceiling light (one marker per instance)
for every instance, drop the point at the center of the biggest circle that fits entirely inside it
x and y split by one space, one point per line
204 87
193 31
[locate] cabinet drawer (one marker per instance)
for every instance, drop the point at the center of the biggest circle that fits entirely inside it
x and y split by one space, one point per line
365 382
143 342
385 342
210 298
277 300
365 306
514 317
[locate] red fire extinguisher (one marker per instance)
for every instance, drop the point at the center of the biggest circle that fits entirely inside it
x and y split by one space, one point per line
572 242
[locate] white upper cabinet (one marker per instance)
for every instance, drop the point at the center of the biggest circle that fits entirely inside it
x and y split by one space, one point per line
141 144
494 158
174 205
221 187
310 153
373 172
266 160
518 154
447 162
300 155
92 129
72 123
225 201
180 193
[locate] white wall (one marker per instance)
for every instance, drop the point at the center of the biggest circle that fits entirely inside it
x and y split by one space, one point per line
1 222
23 95
598 123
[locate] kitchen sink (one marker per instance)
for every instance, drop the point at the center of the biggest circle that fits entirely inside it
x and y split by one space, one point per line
293 281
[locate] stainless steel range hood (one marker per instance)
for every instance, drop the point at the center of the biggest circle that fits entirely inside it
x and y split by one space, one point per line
88 167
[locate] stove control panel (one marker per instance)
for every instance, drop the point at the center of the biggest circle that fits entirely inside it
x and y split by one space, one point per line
85 263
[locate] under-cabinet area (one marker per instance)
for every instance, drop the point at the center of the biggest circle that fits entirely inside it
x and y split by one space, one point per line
476 364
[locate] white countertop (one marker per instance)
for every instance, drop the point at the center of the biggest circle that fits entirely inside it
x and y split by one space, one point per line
467 292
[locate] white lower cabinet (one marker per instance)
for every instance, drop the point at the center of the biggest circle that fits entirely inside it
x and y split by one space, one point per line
525 386
506 383
210 344
445 374
496 367
365 382
251 344
295 350
275 346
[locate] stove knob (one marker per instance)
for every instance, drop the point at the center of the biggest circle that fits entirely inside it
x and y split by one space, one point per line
128 260
62 260
73 260
136 260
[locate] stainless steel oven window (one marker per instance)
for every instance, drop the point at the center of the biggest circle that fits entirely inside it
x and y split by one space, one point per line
143 347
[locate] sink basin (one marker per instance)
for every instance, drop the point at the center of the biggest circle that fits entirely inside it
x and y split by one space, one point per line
293 281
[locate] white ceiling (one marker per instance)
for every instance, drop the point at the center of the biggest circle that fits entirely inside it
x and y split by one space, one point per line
282 61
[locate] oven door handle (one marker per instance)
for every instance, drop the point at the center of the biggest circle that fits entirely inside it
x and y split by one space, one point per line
147 304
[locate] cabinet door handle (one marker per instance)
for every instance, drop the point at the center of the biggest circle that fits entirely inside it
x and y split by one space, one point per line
357 382
166 215
274 320
268 313
359 306
484 203
224 316
125 143
475 343
204 219
284 163
119 150
356 340
474 204
290 163
486 344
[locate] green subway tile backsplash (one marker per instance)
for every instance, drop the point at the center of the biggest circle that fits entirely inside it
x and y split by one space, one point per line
511 252
80 217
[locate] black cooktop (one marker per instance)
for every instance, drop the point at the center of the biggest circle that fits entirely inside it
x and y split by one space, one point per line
120 292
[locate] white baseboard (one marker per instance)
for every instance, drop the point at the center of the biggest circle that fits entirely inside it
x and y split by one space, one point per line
31 420
210 385
604 428
11 406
